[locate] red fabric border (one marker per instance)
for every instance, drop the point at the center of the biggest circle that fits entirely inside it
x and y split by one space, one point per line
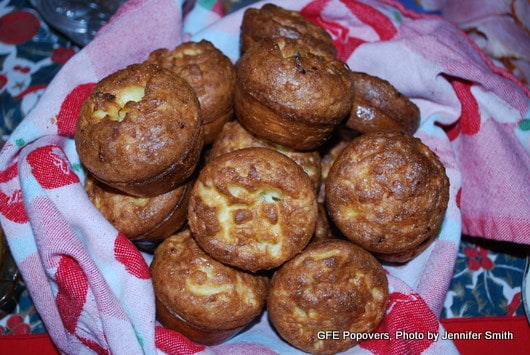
28 344
516 327
507 335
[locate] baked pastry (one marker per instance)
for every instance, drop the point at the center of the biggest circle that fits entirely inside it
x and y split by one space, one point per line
233 136
340 139
324 229
405 255
148 218
378 105
139 130
212 76
387 192
252 208
272 21
290 96
333 285
199 297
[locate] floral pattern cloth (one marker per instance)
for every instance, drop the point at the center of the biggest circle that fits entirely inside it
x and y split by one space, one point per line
486 281
31 54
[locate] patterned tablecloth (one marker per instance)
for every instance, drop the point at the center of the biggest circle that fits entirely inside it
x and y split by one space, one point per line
487 277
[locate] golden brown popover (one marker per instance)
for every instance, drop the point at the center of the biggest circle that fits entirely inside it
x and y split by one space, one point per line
290 96
148 218
212 76
378 105
272 21
233 136
332 285
139 131
387 191
203 299
252 208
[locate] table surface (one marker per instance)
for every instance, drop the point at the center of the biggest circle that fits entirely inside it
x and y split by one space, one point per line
488 275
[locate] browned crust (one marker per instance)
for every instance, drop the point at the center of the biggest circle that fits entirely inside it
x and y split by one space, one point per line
148 144
195 334
405 255
324 229
289 96
340 139
252 208
387 192
332 285
210 73
141 218
207 295
378 105
271 21
233 136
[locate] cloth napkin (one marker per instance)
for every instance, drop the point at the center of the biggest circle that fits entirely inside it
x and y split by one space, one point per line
500 28
92 287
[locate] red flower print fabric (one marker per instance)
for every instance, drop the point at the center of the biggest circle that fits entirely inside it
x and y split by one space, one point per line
67 117
73 286
18 27
478 258
131 260
51 168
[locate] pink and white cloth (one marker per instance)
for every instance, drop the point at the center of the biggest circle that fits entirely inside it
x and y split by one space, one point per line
500 28
92 287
